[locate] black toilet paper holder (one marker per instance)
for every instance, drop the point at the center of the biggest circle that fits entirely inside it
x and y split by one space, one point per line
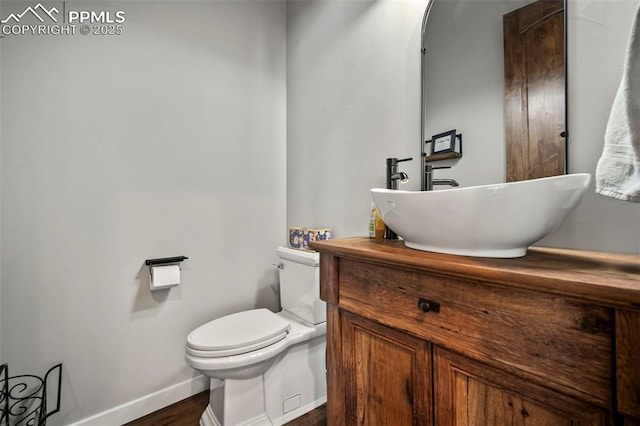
165 260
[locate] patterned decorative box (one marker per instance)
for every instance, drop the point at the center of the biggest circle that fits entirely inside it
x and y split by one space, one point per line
299 237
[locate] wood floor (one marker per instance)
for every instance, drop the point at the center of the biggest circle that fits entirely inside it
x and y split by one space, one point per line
188 412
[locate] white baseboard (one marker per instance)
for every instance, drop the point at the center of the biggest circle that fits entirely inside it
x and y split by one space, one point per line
147 404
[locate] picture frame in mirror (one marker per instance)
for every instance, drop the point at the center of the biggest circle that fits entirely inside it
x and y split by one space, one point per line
443 142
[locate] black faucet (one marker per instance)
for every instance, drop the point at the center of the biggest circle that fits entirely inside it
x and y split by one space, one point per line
429 181
393 176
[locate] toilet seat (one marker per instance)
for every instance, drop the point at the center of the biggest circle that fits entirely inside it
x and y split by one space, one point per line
237 333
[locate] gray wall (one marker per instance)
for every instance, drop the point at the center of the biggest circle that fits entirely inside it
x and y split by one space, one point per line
169 139
353 72
1 299
353 100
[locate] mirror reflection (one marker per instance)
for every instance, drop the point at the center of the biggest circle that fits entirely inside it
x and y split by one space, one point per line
495 71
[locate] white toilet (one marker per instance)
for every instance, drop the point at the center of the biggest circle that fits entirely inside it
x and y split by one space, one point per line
267 368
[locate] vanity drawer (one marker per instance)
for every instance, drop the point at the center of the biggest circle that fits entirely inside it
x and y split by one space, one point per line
558 342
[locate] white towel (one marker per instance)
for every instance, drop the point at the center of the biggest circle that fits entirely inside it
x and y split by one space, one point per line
618 170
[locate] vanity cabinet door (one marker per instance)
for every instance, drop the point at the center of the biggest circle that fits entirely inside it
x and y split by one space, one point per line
387 375
470 393
628 365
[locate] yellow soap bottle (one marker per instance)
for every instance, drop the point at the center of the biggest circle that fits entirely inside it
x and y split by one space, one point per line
376 224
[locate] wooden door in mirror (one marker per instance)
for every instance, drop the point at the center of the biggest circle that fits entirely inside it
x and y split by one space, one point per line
534 68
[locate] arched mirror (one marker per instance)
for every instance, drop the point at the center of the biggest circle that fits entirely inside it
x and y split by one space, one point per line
494 71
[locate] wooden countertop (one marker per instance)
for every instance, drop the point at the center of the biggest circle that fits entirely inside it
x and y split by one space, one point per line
609 279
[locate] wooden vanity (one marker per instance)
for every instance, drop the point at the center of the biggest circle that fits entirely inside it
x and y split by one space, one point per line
418 338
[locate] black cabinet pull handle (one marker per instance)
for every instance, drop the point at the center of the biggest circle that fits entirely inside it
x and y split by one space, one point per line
428 305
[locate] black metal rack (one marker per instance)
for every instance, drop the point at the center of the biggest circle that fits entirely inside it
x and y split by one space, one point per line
23 398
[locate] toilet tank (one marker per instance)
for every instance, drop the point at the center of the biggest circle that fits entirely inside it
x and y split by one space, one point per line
300 285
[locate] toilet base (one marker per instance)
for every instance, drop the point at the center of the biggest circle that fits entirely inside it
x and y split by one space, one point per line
293 385
208 418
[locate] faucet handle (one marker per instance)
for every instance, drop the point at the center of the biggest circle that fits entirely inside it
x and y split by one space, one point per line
429 167
392 162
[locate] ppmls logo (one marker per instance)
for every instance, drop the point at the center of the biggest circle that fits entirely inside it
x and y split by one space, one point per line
51 13
42 20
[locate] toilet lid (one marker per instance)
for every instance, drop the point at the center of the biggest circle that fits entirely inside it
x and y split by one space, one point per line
240 332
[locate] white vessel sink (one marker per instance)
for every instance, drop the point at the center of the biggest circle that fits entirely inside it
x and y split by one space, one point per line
486 221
